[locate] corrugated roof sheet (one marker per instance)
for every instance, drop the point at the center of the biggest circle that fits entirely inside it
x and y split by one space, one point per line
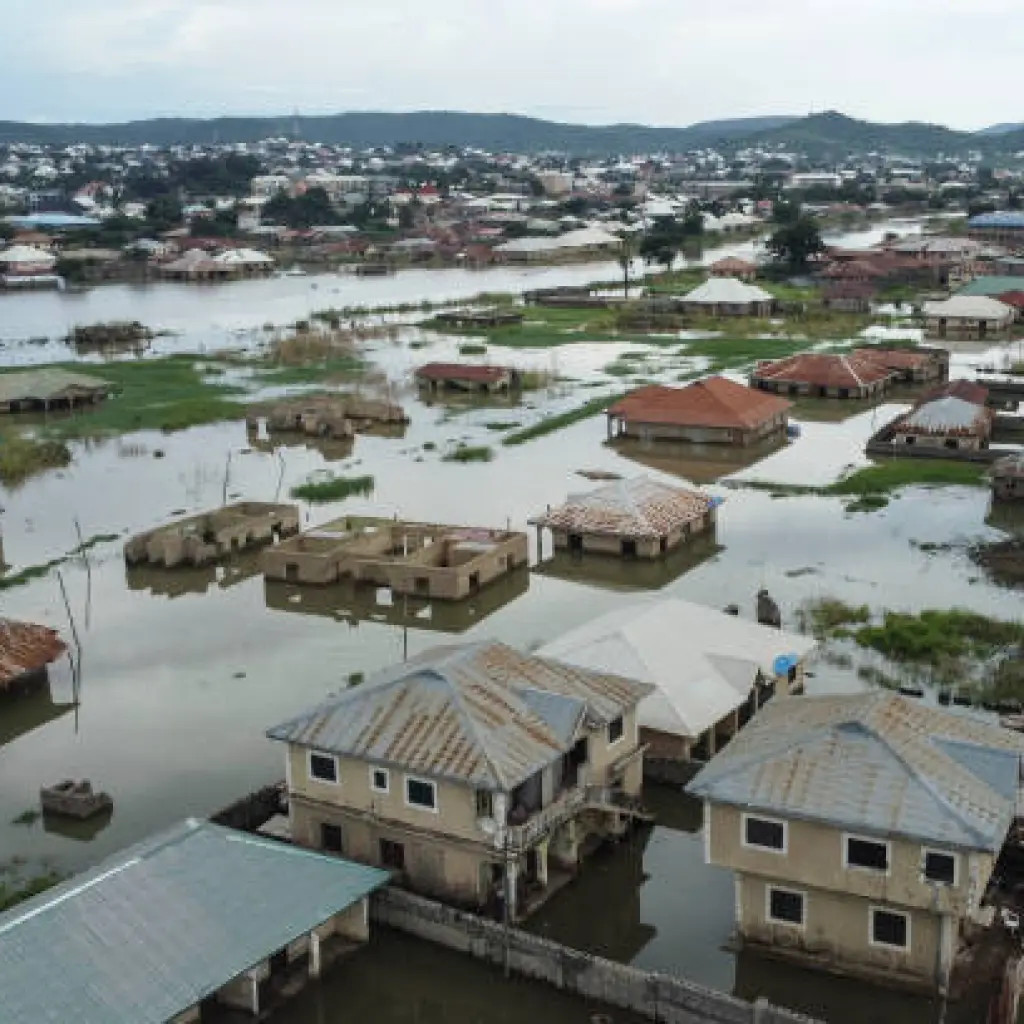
156 928
948 415
728 290
825 370
26 647
876 763
47 383
712 402
969 307
470 713
703 662
640 507
998 219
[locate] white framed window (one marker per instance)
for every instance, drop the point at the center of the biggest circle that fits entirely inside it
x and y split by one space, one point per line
322 767
380 780
616 730
761 833
420 793
940 866
785 906
889 929
864 854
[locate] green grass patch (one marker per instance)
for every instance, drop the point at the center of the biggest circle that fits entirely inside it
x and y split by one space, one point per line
33 572
561 420
620 369
312 373
828 614
472 348
333 488
502 424
936 636
888 476
23 457
27 817
730 353
470 453
11 895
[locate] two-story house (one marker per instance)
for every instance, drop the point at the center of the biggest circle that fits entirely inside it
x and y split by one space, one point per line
471 771
862 830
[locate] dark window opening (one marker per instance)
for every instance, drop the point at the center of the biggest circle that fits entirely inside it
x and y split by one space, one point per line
392 855
940 867
421 794
889 929
330 838
615 729
862 853
786 906
323 767
629 549
769 834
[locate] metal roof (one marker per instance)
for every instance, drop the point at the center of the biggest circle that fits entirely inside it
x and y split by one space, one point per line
729 290
946 415
992 285
703 662
154 929
472 713
969 307
640 507
873 762
826 369
46 383
26 647
998 219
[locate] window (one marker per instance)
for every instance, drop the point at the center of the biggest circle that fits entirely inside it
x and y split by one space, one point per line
330 838
392 855
940 867
379 780
421 793
866 853
323 767
615 730
764 833
889 928
484 803
785 906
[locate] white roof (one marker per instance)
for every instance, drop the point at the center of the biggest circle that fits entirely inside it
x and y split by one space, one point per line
945 414
727 289
578 239
25 254
969 307
702 661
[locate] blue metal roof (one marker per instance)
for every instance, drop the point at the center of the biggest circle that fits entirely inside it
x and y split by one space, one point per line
156 928
998 219
52 220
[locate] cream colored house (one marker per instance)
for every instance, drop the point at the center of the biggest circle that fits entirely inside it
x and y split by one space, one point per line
862 830
469 771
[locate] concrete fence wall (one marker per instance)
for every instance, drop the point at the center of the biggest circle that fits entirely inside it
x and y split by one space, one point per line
655 996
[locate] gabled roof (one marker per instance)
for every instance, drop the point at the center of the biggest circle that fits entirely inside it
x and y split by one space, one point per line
703 662
712 402
482 714
944 416
46 383
640 507
969 307
876 763
728 290
827 370
156 928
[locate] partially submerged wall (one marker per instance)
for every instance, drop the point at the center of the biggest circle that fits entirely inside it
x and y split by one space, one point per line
656 996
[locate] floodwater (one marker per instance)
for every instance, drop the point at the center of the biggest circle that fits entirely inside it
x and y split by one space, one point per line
184 671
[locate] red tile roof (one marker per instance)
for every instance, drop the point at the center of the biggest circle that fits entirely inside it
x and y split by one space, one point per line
462 371
898 358
825 370
1013 298
714 402
732 265
25 647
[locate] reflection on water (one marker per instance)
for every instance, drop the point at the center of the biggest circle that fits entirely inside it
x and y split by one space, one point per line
22 711
696 463
1006 515
332 449
353 603
182 580
613 573
80 830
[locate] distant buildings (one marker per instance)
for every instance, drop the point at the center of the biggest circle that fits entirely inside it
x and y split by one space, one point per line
857 374
1005 227
862 831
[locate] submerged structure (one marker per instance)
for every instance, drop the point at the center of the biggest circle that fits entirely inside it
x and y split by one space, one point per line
420 559
49 388
26 649
465 377
637 518
204 538
1008 478
315 416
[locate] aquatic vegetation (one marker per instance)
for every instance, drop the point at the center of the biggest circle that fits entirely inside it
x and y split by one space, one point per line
563 419
936 635
470 453
828 614
33 572
471 348
10 895
23 457
333 488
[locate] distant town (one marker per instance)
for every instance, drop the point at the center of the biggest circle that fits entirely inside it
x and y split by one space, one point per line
449 583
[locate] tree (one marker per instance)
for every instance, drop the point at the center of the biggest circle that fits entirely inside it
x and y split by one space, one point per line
626 253
795 242
164 212
312 207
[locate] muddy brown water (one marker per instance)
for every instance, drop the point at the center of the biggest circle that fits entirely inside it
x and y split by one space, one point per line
183 672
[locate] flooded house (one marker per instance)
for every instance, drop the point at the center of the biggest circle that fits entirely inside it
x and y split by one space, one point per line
734 267
26 649
728 296
711 673
49 388
465 377
474 773
911 365
1008 478
863 832
638 518
195 917
946 422
198 540
856 374
968 317
715 410
420 559
314 416
848 296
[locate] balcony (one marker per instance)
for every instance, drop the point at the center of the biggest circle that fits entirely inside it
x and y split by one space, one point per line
568 803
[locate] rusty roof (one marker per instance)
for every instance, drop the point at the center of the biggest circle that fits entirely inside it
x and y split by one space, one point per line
463 371
873 762
825 370
26 647
639 507
968 390
712 402
481 714
900 358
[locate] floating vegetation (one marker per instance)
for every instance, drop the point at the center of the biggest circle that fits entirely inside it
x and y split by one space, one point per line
333 488
564 419
470 453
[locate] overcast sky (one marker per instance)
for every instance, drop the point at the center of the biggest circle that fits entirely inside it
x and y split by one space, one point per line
957 62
